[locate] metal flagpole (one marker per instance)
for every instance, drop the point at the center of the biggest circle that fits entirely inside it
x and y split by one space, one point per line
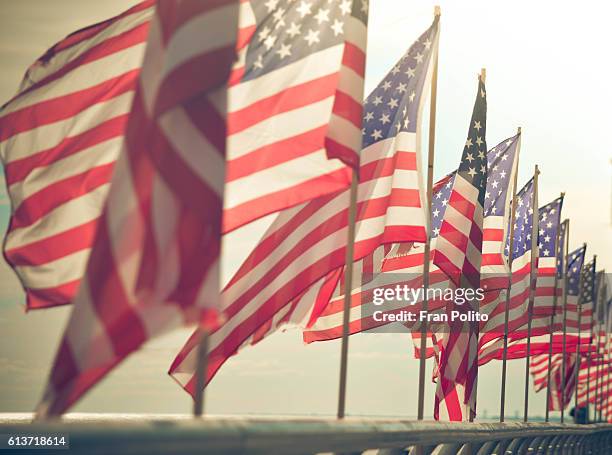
201 367
552 323
532 283
564 348
427 251
502 405
348 287
577 372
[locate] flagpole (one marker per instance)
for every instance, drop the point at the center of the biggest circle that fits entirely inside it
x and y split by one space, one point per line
201 367
532 282
348 287
552 323
564 348
427 251
502 405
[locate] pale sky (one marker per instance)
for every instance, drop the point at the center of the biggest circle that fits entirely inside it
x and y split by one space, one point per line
548 71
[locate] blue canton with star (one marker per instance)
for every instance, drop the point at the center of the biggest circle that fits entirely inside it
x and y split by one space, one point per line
289 30
550 219
575 262
523 222
587 284
473 166
561 250
441 195
500 161
393 106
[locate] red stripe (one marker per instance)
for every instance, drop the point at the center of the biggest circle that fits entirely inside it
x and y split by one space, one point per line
18 170
67 106
41 203
454 236
202 72
122 41
286 100
354 58
274 154
275 201
53 247
63 294
346 107
493 235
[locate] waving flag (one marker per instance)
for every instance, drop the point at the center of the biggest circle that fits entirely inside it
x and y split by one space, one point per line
59 139
502 162
494 304
170 154
458 253
307 243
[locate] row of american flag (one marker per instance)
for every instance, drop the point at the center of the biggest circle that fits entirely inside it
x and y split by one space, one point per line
136 145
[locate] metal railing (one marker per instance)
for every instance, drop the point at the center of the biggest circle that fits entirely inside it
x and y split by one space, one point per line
311 436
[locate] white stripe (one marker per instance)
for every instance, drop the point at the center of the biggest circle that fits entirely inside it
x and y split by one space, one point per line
54 273
73 213
39 71
279 127
280 177
314 66
86 160
112 66
48 136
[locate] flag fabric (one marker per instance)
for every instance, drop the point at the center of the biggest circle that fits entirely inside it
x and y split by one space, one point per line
59 139
458 253
547 284
517 345
494 303
545 287
401 265
307 243
170 153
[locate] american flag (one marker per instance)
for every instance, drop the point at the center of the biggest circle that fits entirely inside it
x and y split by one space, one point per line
123 301
59 139
502 161
494 304
305 245
458 253
547 284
